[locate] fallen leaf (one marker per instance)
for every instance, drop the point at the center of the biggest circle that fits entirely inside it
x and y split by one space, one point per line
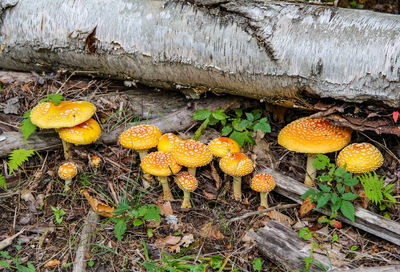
215 176
211 232
8 241
395 116
166 208
280 217
30 199
209 196
52 263
167 241
98 206
187 240
306 206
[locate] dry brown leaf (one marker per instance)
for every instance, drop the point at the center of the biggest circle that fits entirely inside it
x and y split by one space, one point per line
166 208
280 217
211 232
167 241
215 176
209 196
52 263
98 206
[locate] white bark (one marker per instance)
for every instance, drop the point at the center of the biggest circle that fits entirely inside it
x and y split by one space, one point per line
251 48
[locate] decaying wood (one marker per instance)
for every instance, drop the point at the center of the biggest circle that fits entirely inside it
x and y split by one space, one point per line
388 268
252 48
179 119
90 226
283 246
364 219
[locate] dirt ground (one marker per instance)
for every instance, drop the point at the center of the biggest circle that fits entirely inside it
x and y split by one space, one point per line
201 235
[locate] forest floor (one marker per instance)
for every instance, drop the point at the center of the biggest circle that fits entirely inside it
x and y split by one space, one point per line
202 237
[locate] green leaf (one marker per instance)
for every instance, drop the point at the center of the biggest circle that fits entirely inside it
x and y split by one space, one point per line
27 127
354 248
325 177
137 222
3 183
239 112
350 181
349 196
334 198
340 172
54 98
216 261
323 200
18 157
5 254
119 228
347 209
226 130
4 264
305 233
243 125
324 188
239 137
257 113
201 114
320 162
263 126
249 116
219 115
153 213
308 192
201 129
336 205
257 264
340 188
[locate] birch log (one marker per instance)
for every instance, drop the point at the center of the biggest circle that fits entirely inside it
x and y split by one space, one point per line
252 48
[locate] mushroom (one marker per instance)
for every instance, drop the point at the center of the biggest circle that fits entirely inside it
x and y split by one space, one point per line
192 154
187 183
82 134
140 138
236 165
167 141
67 171
222 146
263 183
65 114
313 136
360 158
161 164
94 162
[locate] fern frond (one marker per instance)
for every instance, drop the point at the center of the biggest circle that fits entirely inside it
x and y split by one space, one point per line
3 182
54 98
373 186
18 157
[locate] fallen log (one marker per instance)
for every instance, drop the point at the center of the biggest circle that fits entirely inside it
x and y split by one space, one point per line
364 219
282 245
251 48
179 119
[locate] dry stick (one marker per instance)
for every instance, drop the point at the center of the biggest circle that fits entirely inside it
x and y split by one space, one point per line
278 207
90 226
8 241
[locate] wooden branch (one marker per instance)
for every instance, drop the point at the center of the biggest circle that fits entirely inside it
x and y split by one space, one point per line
364 219
280 207
282 245
178 120
261 49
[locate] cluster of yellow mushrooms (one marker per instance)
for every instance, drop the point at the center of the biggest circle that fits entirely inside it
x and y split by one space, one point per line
74 123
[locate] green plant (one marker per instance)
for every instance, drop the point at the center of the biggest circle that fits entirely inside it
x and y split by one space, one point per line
58 213
333 184
27 127
235 126
3 182
376 191
14 264
124 213
257 265
18 157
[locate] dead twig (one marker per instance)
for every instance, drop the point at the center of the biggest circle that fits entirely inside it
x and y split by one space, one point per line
8 241
278 207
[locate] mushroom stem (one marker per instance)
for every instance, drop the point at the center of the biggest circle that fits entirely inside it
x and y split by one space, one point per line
264 199
237 188
142 154
147 178
311 172
66 147
66 184
186 200
192 171
165 186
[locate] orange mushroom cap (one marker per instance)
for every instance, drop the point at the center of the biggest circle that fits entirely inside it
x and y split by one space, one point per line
236 164
65 114
186 181
82 134
314 136
67 171
160 164
141 137
94 161
191 153
262 183
167 141
222 146
360 158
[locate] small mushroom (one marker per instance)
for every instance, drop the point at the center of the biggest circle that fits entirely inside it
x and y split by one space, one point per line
313 136
263 183
167 141
161 164
94 162
82 134
140 138
222 146
67 171
188 184
66 114
360 158
192 154
236 165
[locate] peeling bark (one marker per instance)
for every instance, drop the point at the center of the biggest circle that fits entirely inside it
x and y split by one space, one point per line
252 48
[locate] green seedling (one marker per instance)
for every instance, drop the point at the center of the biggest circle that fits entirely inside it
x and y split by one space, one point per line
58 213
